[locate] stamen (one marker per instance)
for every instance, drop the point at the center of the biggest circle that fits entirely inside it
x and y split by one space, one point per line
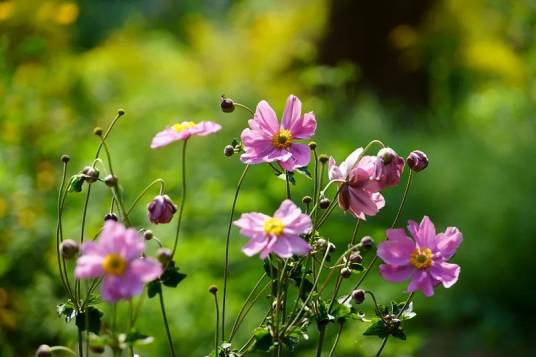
181 126
274 226
282 139
421 258
114 264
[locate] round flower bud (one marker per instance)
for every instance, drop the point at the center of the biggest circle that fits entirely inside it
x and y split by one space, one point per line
228 150
161 209
148 234
323 158
120 112
307 199
65 158
312 145
111 216
69 248
358 296
387 155
366 242
355 257
97 131
213 289
111 180
321 243
227 105
91 174
43 351
163 255
417 160
324 203
331 247
346 272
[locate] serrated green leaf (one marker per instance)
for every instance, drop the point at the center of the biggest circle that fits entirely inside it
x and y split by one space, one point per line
93 315
304 171
398 333
172 277
135 337
377 328
154 287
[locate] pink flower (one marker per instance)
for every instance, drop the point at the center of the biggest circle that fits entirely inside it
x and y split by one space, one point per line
268 141
390 167
423 258
182 131
358 193
161 209
117 256
279 234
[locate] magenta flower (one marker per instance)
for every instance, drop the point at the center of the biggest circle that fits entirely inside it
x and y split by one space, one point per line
117 256
279 234
161 209
268 141
390 169
360 184
182 131
423 258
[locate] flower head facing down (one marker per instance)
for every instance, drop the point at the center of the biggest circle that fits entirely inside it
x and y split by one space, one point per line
117 257
268 141
390 169
279 234
183 131
424 258
161 209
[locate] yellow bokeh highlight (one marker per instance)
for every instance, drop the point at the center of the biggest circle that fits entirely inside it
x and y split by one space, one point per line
7 8
67 13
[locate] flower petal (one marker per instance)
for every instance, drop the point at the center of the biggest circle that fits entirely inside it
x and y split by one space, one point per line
147 269
301 155
165 137
254 246
448 242
397 249
424 234
292 112
422 281
89 266
396 274
446 273
265 118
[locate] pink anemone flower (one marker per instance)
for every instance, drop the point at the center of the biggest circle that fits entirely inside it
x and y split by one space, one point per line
279 234
267 141
117 257
360 184
183 131
424 258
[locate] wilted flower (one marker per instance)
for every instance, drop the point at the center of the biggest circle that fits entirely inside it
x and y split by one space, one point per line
161 209
268 141
391 167
279 234
183 131
417 160
117 256
423 258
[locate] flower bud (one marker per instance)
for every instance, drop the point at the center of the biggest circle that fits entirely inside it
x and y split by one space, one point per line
161 209
417 160
358 296
110 216
227 105
346 272
331 247
148 234
387 155
307 199
324 202
355 257
312 145
43 351
321 243
97 131
366 242
120 112
69 248
213 289
163 255
111 181
323 158
228 150
65 158
91 174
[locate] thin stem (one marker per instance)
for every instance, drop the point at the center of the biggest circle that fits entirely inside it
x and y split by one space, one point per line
332 351
287 184
183 200
382 346
144 191
166 325
63 349
278 297
217 329
408 301
80 346
244 107
227 241
320 341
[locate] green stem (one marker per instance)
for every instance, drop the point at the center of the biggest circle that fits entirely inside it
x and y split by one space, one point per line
287 184
166 325
217 330
183 199
332 351
63 349
144 191
227 241
320 341
80 345
244 107
382 346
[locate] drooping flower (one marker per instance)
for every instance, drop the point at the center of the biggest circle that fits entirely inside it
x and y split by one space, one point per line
117 257
183 131
279 234
390 168
161 209
268 141
424 258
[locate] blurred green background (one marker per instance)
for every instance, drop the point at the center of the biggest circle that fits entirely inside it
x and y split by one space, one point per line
454 78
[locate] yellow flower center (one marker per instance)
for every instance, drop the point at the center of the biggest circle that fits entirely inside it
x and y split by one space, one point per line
114 264
274 226
282 139
181 126
421 258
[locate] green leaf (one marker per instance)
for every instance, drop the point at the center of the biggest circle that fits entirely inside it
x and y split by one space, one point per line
135 337
93 315
263 339
154 287
304 171
293 338
67 310
398 333
171 276
283 176
407 314
235 143
377 328
75 183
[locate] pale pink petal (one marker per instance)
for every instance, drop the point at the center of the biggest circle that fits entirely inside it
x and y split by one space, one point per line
396 274
304 127
397 249
334 172
204 128
298 245
252 224
147 269
89 266
165 137
426 234
446 273
422 281
301 155
287 211
277 155
126 286
265 118
90 248
350 162
448 242
292 112
282 248
254 246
